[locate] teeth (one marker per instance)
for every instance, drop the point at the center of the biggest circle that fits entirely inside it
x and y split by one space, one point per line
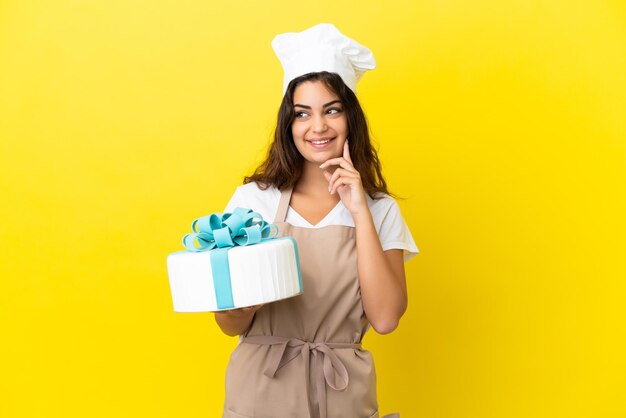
320 142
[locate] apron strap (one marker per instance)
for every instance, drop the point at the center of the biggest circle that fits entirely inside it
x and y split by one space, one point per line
283 205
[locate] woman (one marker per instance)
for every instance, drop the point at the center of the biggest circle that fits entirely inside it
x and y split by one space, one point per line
321 184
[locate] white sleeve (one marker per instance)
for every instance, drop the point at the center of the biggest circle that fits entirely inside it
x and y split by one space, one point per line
249 196
394 233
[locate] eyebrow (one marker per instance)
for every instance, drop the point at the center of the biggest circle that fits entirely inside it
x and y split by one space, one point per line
324 105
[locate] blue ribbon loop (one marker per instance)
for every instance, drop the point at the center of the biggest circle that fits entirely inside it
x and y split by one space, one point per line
220 232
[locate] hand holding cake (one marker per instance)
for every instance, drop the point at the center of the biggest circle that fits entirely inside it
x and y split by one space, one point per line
236 321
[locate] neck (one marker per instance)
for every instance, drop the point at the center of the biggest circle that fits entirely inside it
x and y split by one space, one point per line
312 181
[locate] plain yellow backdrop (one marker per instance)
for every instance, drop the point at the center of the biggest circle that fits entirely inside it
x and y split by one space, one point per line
502 124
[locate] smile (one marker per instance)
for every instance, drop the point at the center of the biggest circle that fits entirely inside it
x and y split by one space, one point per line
319 142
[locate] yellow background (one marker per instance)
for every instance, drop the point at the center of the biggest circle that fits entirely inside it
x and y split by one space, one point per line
501 123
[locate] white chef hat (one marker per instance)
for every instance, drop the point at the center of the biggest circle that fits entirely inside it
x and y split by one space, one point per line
322 48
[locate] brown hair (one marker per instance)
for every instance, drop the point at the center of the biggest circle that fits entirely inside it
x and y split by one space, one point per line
283 165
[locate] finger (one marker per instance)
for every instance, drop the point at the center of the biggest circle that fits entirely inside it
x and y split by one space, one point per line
340 161
343 182
340 172
334 177
346 151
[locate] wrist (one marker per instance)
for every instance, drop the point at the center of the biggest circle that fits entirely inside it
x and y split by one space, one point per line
362 218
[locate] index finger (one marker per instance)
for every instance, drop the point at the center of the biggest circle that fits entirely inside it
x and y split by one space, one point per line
340 161
346 151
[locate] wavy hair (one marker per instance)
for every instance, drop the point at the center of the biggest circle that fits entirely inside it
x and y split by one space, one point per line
282 167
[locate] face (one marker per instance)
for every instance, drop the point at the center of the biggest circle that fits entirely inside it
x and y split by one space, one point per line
320 127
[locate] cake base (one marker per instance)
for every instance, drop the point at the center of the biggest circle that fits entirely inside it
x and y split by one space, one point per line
260 273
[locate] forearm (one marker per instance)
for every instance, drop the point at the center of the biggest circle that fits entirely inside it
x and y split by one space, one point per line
383 286
234 322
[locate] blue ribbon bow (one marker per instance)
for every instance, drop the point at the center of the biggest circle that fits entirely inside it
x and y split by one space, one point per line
220 232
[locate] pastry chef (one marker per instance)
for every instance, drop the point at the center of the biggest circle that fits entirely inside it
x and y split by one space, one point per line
321 183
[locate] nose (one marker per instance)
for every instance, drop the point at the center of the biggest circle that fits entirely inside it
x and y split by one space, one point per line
319 124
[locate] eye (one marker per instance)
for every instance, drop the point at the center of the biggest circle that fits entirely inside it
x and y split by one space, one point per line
300 115
333 111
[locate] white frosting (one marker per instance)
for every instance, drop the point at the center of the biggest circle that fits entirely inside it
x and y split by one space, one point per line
259 273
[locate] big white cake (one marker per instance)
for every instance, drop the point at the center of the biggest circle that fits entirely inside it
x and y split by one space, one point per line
260 273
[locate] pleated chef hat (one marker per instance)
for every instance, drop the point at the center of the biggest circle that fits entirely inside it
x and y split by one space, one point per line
322 48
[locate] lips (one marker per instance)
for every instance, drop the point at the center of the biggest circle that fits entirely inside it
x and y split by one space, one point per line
319 142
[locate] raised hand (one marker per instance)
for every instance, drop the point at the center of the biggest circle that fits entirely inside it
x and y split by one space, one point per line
346 181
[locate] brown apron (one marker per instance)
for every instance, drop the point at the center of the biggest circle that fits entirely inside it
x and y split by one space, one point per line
302 356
